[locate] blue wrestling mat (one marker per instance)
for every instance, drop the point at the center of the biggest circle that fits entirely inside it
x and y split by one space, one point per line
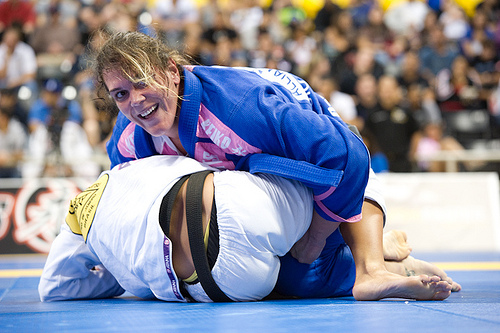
474 309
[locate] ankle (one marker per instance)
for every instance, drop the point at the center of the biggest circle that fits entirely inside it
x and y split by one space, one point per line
372 269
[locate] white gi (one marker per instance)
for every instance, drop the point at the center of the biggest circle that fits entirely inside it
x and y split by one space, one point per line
114 225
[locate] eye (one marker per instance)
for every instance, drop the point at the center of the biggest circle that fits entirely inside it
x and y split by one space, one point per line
120 95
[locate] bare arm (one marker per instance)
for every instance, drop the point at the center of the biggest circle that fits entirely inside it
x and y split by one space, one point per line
309 247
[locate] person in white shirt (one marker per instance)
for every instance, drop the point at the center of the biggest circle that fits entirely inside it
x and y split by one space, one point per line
18 64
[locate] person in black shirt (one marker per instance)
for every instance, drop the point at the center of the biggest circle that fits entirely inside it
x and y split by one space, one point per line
392 125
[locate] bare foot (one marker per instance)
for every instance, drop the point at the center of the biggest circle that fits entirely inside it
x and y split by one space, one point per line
395 245
415 266
384 284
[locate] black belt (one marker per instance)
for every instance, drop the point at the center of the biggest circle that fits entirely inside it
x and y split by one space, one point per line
203 260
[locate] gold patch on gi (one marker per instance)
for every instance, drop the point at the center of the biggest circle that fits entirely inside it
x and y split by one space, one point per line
82 208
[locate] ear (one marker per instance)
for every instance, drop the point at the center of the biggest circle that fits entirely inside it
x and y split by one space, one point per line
174 72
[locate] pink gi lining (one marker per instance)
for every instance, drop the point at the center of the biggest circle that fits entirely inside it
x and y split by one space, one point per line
126 145
335 217
223 141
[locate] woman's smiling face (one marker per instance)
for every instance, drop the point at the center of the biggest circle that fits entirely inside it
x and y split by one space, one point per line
152 108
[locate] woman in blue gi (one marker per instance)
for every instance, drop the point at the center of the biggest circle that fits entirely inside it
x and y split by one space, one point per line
256 120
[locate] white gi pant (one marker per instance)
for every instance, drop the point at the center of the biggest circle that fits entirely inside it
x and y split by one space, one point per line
259 218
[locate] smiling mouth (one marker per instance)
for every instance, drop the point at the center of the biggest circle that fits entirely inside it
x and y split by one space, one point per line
149 111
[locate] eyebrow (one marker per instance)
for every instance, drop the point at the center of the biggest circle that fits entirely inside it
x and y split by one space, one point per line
116 89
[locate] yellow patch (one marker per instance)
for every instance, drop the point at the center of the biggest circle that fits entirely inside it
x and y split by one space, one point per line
82 208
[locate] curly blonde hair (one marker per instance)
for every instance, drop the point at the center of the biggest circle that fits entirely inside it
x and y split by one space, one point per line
139 58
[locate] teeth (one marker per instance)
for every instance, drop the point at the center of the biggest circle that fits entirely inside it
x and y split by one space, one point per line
148 111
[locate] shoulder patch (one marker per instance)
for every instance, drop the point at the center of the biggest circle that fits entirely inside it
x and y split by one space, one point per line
82 209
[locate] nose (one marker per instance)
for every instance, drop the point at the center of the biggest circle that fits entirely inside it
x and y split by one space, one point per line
136 97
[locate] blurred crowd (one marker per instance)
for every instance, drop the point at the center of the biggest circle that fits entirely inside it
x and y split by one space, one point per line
415 77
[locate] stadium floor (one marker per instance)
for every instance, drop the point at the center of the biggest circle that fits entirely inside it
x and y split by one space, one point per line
474 309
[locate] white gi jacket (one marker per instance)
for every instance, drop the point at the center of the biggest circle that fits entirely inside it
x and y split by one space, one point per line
113 225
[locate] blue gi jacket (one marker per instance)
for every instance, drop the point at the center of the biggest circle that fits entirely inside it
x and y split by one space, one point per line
262 120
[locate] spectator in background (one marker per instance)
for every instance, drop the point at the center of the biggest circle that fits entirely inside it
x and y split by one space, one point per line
278 59
430 141
422 105
18 64
57 43
487 65
366 97
478 32
58 145
363 63
406 17
119 16
418 95
492 10
288 13
494 108
438 55
259 56
392 57
69 9
272 23
89 22
376 31
454 21
423 38
343 25
459 88
9 101
326 16
320 67
192 44
41 112
221 28
410 73
54 30
360 11
209 11
246 17
301 48
225 53
13 141
339 38
392 125
173 19
17 12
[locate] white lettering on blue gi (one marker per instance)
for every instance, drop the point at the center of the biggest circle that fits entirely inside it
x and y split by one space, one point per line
298 87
